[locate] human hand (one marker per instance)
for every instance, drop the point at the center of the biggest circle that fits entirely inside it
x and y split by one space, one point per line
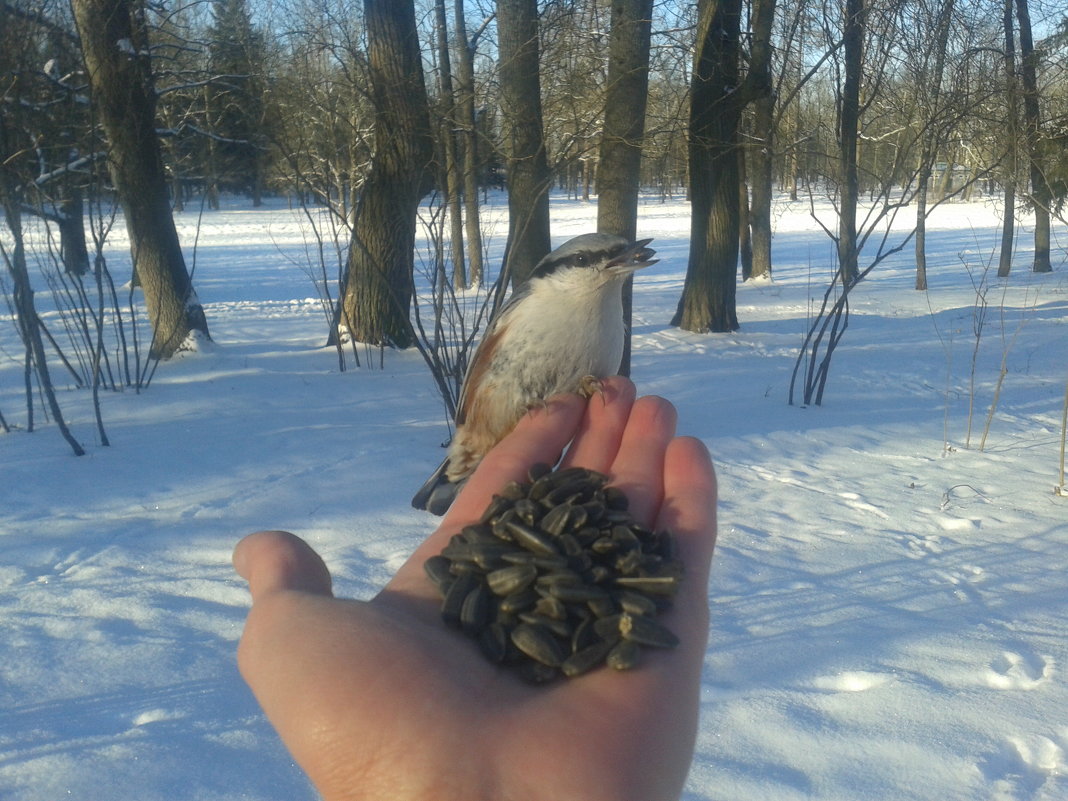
380 700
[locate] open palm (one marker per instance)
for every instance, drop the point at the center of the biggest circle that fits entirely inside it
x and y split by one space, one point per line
379 700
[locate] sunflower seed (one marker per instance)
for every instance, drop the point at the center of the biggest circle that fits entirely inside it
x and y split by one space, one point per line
496 507
437 567
651 585
551 607
528 511
557 578
625 655
646 631
453 602
534 541
537 673
514 490
586 659
577 593
539 644
556 520
475 611
508 580
560 628
518 602
537 470
636 604
494 642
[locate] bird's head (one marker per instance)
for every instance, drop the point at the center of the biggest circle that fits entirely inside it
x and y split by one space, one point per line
606 256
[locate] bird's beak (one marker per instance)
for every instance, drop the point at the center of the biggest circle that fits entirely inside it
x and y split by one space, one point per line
633 258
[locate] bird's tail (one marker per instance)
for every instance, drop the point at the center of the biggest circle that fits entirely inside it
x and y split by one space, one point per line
438 493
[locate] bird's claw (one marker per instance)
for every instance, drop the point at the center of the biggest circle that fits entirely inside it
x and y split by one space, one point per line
590 385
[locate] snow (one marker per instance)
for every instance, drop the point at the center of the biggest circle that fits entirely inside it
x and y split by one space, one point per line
889 606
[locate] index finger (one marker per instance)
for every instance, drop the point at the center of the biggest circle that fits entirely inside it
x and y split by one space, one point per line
539 436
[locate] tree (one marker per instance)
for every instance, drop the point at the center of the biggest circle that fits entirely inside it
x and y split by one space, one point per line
854 26
378 282
931 91
236 56
718 96
15 143
1041 192
523 137
1008 225
116 51
764 150
620 160
452 174
468 134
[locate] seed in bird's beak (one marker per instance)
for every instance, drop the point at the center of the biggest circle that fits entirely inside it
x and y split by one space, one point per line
633 258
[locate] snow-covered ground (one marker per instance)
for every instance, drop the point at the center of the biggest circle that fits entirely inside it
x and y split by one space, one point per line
889 606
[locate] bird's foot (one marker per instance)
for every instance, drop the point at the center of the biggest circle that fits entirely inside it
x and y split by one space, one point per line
590 385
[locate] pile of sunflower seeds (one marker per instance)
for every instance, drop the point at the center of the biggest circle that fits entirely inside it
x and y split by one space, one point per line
557 577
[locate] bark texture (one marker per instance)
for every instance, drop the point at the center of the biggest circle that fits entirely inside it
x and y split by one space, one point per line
717 99
620 161
528 169
115 48
378 287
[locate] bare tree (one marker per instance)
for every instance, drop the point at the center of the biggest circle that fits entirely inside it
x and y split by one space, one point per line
452 182
1041 193
529 179
718 96
115 46
378 282
468 133
15 143
931 92
620 160
853 28
1008 224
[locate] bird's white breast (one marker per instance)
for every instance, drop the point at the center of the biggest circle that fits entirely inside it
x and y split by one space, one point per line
567 328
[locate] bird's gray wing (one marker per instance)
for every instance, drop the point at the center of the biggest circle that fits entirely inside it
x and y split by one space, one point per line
493 330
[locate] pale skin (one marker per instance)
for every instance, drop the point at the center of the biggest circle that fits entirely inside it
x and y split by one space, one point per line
379 700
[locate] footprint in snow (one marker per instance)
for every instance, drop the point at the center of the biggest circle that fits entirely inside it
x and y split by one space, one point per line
1018 671
1026 767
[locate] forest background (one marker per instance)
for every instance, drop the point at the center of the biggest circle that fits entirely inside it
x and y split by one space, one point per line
120 110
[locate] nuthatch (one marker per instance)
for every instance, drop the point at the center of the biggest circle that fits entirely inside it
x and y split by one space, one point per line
561 331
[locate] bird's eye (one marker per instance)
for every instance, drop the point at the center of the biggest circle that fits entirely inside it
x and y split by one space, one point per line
581 260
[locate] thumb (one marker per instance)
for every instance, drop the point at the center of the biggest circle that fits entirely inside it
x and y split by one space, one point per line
271 561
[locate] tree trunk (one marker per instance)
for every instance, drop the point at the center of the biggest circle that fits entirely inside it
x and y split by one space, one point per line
453 185
72 247
378 285
115 48
763 166
848 135
620 159
745 236
1041 192
465 112
717 99
528 178
1008 224
708 297
930 146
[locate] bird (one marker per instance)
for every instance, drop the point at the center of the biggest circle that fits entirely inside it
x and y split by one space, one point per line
562 330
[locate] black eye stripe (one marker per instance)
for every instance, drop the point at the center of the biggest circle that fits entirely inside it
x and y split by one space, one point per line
575 259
